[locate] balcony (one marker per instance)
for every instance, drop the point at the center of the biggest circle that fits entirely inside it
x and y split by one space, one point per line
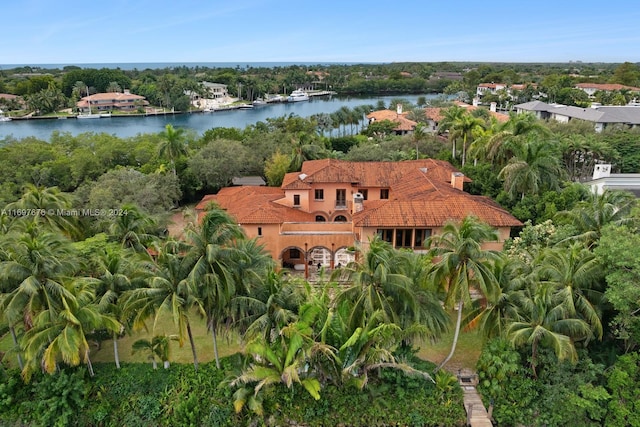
342 205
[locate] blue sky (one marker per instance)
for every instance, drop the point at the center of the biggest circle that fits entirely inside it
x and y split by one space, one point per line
343 31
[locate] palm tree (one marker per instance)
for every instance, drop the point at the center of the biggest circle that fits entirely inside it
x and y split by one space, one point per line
465 126
462 265
158 346
543 321
118 271
169 292
534 166
573 271
508 137
49 205
589 216
450 116
133 229
213 263
61 335
172 145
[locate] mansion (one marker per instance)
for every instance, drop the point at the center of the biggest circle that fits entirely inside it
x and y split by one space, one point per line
319 214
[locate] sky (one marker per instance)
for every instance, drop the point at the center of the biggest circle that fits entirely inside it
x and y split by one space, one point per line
330 31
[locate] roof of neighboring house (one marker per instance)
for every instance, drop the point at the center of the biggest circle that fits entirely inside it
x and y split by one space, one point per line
248 180
112 96
434 114
498 116
7 96
602 114
606 86
404 124
492 85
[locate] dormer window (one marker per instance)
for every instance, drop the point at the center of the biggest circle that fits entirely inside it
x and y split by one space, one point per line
384 193
296 200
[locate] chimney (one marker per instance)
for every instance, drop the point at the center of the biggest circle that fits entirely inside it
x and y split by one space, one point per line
399 109
601 171
493 107
457 180
358 203
475 101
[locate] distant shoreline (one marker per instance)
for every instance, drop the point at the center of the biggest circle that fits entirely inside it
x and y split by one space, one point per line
161 65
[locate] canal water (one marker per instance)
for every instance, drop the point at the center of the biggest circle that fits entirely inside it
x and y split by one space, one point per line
199 122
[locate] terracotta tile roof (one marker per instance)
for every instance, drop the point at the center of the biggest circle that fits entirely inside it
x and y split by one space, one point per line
421 195
434 114
256 205
498 116
606 86
404 124
372 174
432 210
112 96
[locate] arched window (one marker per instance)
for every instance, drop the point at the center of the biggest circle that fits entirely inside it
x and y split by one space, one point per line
320 218
340 218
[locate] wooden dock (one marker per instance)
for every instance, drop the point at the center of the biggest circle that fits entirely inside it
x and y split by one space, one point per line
477 415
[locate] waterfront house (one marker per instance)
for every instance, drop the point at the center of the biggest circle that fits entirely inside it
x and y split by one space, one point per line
319 214
592 88
112 101
403 124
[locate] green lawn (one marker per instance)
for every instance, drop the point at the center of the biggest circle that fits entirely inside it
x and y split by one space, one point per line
466 355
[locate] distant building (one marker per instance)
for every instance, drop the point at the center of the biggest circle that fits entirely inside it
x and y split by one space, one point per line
603 179
404 125
592 88
600 116
110 101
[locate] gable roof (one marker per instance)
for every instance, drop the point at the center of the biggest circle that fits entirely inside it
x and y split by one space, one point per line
603 114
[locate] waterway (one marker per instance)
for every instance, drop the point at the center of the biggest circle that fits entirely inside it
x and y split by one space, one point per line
200 122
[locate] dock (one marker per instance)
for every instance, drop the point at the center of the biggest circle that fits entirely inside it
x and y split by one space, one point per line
477 415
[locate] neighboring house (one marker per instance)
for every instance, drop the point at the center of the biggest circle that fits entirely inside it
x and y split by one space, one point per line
492 88
217 95
112 101
592 88
216 90
603 179
404 125
319 214
600 116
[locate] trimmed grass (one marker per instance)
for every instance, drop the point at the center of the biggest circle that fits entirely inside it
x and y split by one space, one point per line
466 354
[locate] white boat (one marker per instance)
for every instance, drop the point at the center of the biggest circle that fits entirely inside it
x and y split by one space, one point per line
246 106
105 115
4 118
88 115
275 98
259 102
298 95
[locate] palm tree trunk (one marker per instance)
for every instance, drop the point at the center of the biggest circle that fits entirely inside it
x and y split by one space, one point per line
193 346
89 365
116 356
215 344
15 343
154 363
455 337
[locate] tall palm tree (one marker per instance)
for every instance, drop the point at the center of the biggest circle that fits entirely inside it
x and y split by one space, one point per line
213 263
169 292
450 116
118 271
462 265
535 166
465 126
172 145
